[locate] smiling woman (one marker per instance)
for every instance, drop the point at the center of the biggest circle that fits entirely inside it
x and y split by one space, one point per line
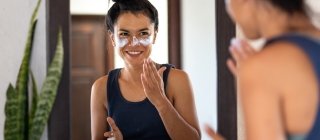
157 97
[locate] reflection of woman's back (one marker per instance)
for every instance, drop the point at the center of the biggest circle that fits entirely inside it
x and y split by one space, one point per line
311 47
278 86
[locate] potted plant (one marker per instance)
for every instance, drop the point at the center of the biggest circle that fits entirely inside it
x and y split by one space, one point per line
28 123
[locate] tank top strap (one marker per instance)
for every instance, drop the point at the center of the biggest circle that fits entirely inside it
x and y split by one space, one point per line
112 89
311 47
166 74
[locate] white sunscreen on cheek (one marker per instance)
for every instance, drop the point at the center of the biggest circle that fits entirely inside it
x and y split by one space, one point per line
145 41
121 42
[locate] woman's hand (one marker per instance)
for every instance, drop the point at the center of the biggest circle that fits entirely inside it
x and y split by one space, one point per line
115 132
152 82
240 50
212 134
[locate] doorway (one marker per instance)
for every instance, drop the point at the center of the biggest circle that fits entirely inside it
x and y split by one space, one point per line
91 58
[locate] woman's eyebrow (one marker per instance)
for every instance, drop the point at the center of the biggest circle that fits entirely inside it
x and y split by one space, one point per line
144 29
124 30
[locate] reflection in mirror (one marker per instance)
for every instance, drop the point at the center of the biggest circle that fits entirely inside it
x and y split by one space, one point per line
198 41
93 55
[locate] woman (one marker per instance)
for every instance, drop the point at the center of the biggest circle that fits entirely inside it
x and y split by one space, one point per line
279 86
143 100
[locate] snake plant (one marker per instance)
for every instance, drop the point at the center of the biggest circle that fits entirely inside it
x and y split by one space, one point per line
28 123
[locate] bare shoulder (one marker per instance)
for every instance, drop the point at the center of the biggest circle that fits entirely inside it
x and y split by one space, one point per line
179 85
177 76
99 89
275 56
275 63
100 83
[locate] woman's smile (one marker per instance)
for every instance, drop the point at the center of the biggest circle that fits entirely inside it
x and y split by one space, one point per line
134 53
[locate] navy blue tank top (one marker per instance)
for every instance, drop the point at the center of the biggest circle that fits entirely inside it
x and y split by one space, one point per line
311 48
136 120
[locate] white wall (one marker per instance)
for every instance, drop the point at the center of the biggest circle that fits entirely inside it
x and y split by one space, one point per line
15 17
199 57
314 11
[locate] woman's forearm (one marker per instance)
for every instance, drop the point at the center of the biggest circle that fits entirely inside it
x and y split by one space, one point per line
176 126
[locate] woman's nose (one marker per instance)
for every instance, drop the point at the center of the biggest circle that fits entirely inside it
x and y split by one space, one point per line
134 41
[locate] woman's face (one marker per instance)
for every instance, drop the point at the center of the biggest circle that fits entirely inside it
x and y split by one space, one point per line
133 37
243 13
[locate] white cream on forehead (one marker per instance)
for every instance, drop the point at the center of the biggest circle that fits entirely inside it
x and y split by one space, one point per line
121 42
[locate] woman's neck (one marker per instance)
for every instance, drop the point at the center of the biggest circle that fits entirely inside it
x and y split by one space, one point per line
131 73
277 24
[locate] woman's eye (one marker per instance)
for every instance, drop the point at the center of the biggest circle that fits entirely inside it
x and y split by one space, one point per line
124 34
144 34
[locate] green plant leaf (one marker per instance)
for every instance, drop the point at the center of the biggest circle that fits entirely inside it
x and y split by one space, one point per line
48 92
34 99
17 104
11 108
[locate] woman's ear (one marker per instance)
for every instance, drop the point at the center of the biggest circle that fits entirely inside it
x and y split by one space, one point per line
111 35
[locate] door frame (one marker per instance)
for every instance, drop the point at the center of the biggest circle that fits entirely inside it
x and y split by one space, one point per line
58 16
174 33
227 98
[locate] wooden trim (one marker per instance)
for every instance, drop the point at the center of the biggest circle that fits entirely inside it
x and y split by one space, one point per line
108 49
227 100
174 32
58 16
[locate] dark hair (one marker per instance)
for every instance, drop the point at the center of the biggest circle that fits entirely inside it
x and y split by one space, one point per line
289 6
134 6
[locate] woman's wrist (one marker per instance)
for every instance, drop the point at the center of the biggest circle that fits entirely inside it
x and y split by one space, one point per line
163 105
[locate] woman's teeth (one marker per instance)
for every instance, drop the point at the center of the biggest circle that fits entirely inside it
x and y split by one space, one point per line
134 52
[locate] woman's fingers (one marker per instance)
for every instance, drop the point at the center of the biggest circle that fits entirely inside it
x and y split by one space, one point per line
150 75
160 71
212 133
115 131
112 124
152 71
108 134
248 48
146 72
234 53
232 66
239 50
144 82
